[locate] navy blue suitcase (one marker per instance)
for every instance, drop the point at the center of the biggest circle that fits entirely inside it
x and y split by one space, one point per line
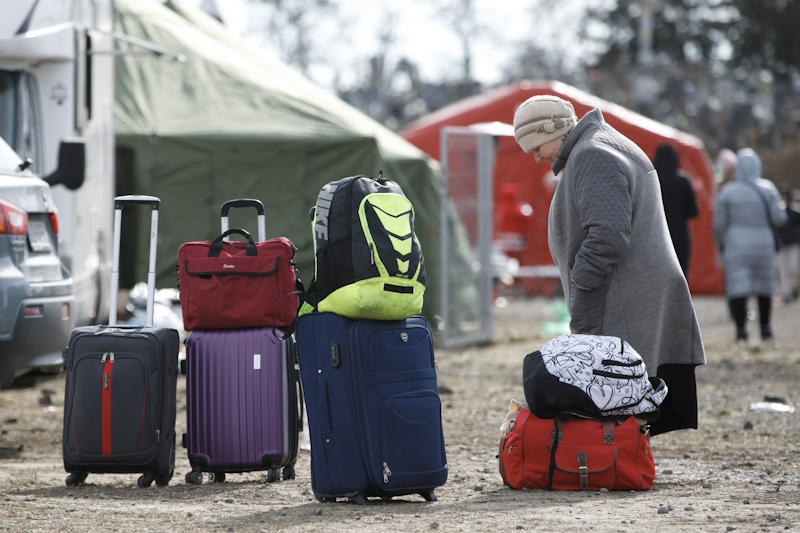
373 406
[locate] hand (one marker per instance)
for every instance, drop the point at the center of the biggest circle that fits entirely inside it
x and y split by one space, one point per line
587 309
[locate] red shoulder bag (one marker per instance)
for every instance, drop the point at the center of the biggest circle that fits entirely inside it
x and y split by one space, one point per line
576 454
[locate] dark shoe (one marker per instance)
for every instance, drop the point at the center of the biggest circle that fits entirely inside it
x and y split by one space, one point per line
741 337
768 339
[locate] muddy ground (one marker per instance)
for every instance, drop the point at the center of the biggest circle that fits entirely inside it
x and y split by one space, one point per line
737 472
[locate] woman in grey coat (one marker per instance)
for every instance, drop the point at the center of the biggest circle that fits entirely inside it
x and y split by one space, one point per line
745 211
608 236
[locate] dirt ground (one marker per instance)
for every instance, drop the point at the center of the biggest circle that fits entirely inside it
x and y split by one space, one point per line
737 472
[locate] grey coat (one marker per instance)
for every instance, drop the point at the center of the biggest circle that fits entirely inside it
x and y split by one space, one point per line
741 227
609 237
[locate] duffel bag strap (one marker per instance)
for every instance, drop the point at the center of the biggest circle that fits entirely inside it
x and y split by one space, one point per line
608 433
301 290
583 470
558 430
555 437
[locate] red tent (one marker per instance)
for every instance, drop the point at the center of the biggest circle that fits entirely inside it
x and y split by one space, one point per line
515 166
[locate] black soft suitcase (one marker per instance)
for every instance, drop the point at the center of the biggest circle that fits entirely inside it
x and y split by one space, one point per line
120 399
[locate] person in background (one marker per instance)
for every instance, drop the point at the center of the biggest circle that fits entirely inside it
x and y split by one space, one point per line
788 258
745 211
726 162
608 236
679 200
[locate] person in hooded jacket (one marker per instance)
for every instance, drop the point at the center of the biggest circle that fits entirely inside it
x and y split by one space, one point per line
745 211
608 236
679 200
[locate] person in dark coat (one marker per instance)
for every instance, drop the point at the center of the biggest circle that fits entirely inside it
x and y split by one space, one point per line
788 259
679 200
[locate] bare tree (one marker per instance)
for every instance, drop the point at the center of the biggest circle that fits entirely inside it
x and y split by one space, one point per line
291 26
533 60
462 18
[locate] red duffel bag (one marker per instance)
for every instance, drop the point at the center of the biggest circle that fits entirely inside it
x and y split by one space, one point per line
233 285
575 454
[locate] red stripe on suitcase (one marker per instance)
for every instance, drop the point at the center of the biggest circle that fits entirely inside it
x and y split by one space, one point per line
141 425
105 407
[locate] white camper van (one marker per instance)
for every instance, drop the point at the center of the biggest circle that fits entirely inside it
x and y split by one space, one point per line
56 105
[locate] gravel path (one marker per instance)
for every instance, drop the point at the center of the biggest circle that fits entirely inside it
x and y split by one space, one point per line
737 472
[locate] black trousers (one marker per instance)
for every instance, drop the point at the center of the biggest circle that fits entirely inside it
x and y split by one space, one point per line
679 409
739 311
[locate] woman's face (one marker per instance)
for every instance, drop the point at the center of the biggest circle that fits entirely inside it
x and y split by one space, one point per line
548 151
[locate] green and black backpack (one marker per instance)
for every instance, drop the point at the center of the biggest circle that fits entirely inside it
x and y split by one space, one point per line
368 262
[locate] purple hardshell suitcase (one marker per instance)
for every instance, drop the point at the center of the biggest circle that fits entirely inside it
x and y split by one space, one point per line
241 397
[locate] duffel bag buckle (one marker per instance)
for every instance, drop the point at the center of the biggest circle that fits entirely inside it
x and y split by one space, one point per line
583 470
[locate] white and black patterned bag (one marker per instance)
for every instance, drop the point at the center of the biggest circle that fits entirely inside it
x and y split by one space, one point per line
597 376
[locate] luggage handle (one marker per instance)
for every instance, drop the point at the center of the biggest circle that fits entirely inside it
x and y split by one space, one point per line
292 361
295 363
245 202
216 246
119 203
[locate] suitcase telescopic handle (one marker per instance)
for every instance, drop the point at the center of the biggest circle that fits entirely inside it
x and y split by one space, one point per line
245 202
119 203
137 199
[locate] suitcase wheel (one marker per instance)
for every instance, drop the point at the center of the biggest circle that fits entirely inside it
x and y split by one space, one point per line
145 480
163 481
195 477
76 478
216 477
289 473
360 499
386 498
273 474
429 496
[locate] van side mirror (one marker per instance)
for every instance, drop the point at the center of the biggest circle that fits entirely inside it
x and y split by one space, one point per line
71 169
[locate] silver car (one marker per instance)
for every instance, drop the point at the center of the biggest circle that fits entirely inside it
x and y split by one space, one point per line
35 289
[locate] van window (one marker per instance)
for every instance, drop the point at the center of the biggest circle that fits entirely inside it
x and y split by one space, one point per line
20 116
8 106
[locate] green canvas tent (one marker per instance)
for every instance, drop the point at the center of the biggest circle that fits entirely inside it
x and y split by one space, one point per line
230 122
